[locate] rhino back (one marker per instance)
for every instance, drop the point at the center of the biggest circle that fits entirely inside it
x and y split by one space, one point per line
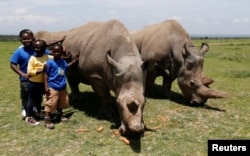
50 37
156 41
94 41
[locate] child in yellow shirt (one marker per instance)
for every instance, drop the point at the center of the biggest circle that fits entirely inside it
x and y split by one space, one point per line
36 67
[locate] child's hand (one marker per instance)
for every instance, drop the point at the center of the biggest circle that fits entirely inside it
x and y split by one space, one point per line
47 91
77 57
25 75
68 54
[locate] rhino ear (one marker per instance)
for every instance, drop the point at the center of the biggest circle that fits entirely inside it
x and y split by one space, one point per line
116 65
187 51
204 48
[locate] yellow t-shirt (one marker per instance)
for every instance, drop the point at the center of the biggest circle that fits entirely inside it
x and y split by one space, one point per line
37 63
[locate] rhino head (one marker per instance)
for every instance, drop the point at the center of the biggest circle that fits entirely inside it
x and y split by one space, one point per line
193 84
129 80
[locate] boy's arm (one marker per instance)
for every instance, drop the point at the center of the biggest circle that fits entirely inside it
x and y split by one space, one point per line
15 68
45 76
74 60
46 87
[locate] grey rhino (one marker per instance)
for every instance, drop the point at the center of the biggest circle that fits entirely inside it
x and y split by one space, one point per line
171 53
109 61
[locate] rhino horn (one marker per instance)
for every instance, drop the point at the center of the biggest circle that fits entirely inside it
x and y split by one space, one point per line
207 81
211 93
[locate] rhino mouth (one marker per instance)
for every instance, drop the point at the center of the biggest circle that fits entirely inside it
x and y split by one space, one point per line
135 131
133 127
200 94
196 102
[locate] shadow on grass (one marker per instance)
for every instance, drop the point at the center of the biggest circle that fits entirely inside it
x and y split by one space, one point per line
90 104
178 98
135 141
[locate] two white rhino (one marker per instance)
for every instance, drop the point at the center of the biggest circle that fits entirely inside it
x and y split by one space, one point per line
112 58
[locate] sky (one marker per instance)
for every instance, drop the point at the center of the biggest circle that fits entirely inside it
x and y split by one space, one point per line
196 16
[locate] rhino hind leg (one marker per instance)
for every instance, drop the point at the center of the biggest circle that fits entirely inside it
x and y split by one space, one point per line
75 92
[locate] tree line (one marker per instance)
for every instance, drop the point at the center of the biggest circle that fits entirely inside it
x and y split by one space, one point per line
7 38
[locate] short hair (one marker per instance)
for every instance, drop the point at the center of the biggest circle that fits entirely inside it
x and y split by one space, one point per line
57 45
44 43
25 31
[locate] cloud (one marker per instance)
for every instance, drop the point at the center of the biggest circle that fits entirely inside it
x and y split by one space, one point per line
38 19
65 14
176 18
32 19
23 16
21 11
243 20
112 12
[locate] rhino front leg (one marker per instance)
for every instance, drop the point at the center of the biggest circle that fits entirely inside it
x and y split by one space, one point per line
150 79
99 87
166 87
73 84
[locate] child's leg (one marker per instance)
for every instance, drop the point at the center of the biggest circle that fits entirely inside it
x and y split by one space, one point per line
61 115
47 121
24 96
39 91
31 100
63 102
50 106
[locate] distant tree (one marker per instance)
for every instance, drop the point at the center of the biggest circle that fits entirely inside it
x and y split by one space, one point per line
6 38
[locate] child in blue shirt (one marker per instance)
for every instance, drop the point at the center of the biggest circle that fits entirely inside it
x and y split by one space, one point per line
55 85
19 62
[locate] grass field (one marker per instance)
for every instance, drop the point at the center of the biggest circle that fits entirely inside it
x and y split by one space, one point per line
176 129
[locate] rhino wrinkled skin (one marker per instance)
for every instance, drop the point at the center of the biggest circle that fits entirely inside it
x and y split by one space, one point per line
170 53
109 61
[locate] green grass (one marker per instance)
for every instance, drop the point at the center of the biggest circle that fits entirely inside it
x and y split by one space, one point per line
175 129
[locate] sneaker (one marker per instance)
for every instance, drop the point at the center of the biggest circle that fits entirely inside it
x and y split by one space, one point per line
40 115
31 121
48 124
64 119
34 109
55 116
23 113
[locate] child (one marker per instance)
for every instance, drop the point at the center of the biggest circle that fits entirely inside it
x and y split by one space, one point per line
55 85
19 62
36 67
